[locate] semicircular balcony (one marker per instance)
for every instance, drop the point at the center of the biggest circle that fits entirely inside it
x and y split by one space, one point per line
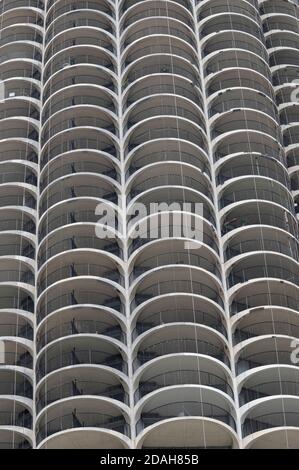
181 369
79 95
265 320
165 415
212 7
79 211
276 7
19 33
80 139
78 237
158 43
81 350
163 105
261 293
162 65
260 239
255 187
156 26
133 11
268 382
21 68
167 252
79 55
242 140
187 309
236 98
262 351
79 36
254 163
176 338
228 25
67 6
86 74
15 51
89 18
168 174
15 385
272 424
269 213
84 422
18 352
193 227
77 186
81 163
248 39
176 279
89 116
237 119
239 77
90 319
281 56
162 85
82 381
79 264
83 291
15 416
235 59
261 265
167 150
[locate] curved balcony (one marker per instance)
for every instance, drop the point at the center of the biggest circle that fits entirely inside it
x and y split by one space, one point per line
88 290
163 105
174 279
269 213
241 98
235 59
93 320
256 266
79 381
271 381
263 351
261 293
181 369
78 95
254 239
166 150
79 210
168 174
162 65
79 264
250 188
265 320
162 84
76 162
211 8
77 237
162 252
15 384
239 77
75 186
17 352
243 164
61 7
166 340
71 420
83 350
133 11
164 416
273 422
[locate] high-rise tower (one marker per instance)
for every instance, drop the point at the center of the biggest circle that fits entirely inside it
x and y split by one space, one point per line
129 341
